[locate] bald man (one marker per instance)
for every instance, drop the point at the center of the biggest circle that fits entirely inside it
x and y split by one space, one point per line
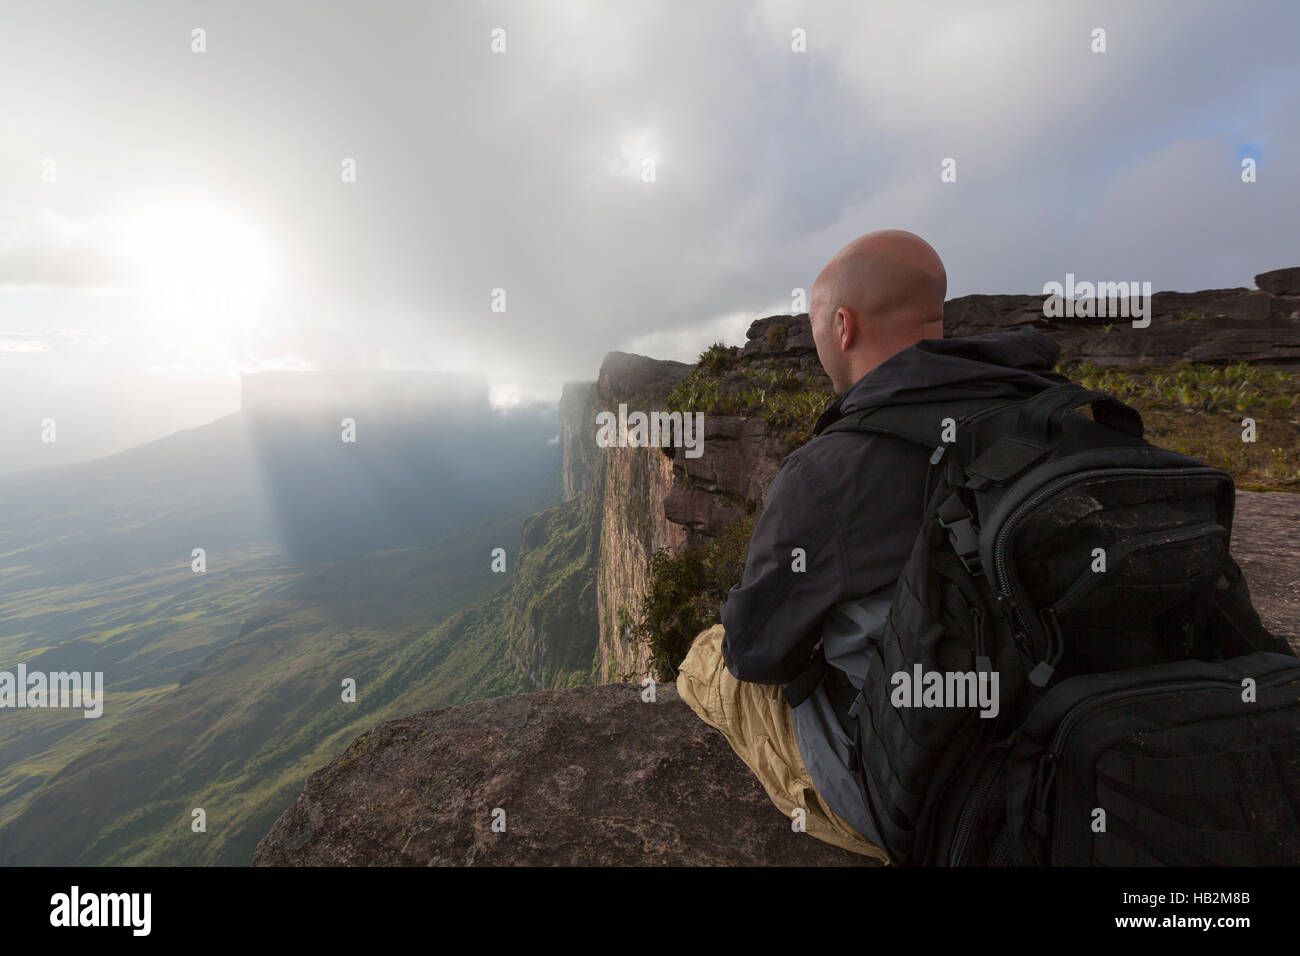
851 503
881 293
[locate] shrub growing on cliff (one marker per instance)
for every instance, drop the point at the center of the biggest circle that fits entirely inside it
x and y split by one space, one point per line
717 358
788 398
686 595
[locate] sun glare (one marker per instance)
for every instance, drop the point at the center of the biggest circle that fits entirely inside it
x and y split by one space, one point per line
202 269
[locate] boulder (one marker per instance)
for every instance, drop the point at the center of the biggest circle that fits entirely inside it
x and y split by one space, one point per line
588 776
1280 281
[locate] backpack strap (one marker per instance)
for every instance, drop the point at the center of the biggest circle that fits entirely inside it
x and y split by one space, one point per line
801 688
916 423
908 424
839 689
1043 413
1231 599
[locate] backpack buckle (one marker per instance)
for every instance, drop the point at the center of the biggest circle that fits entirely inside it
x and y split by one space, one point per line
956 519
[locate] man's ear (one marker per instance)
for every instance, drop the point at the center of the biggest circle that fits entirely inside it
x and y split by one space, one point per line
848 330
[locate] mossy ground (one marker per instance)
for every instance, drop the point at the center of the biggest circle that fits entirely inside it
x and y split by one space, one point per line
1198 410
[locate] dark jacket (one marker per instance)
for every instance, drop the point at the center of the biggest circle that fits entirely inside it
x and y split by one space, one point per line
853 502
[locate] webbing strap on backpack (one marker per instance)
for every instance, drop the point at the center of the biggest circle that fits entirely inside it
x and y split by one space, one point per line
1042 414
917 423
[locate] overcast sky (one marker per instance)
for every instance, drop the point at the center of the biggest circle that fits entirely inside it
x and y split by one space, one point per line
170 218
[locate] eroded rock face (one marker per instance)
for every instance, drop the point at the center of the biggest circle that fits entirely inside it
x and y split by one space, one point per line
595 776
1215 325
578 473
588 776
632 484
741 459
625 377
634 525
786 337
1280 281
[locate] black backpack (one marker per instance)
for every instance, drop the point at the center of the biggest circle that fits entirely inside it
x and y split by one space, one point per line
1143 713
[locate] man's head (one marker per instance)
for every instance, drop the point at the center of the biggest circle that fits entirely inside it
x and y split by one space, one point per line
879 294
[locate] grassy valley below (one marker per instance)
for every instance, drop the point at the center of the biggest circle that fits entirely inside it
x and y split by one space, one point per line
326 564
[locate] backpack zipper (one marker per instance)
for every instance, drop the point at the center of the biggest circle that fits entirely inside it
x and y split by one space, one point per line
1052 654
971 811
1187 533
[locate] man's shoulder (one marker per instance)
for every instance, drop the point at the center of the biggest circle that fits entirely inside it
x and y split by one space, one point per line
841 456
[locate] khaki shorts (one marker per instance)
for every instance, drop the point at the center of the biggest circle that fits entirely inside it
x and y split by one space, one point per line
755 719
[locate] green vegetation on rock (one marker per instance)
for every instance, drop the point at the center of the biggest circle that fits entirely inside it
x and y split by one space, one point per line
1197 410
725 382
686 595
551 613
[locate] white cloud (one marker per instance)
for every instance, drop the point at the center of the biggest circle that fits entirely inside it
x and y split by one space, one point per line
47 250
685 344
23 343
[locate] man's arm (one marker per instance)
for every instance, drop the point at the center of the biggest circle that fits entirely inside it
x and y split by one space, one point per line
773 618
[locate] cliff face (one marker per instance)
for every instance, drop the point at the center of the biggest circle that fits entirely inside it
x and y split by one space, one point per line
742 453
634 525
578 460
629 485
652 499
